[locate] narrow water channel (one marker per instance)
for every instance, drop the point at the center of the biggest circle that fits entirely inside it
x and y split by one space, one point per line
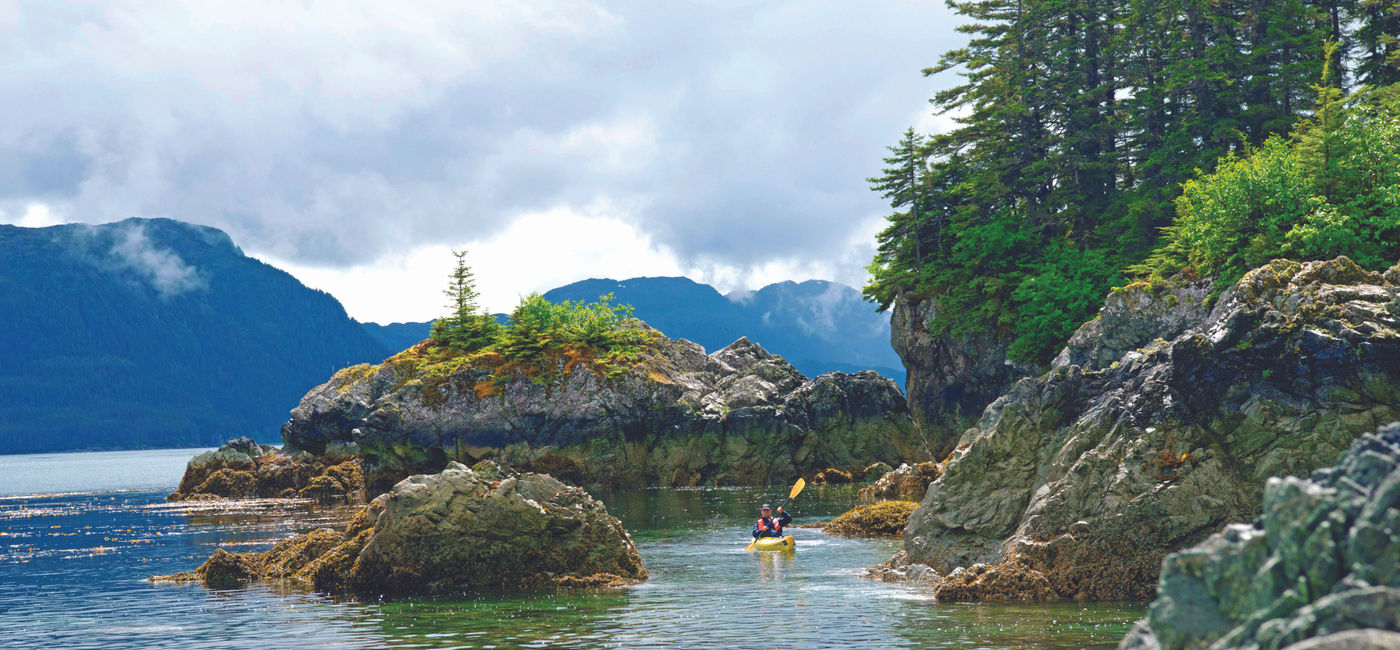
72 569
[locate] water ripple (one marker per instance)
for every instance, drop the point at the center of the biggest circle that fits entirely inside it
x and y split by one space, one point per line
73 569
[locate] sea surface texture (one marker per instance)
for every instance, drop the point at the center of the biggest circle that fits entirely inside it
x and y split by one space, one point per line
80 533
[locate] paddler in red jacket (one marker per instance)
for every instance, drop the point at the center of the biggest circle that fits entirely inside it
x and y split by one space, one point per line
770 526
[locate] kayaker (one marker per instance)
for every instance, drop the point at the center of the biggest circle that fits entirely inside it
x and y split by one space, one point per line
768 525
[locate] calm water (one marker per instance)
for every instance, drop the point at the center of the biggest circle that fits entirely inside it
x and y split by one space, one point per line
73 564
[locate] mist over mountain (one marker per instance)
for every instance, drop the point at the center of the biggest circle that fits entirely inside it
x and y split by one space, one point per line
156 333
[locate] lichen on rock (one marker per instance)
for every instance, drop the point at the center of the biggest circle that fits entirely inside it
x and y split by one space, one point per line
673 416
1091 475
1321 562
460 529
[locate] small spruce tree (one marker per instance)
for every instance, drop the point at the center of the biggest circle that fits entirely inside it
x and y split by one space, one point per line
466 326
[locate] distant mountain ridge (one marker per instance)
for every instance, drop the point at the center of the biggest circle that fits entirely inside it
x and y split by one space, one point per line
818 326
150 333
156 333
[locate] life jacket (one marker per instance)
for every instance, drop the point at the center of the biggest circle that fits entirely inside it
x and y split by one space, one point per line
772 524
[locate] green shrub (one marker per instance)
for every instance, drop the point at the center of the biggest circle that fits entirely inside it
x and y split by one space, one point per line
1332 188
540 334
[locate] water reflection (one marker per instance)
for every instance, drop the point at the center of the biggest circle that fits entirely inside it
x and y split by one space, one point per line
72 571
771 565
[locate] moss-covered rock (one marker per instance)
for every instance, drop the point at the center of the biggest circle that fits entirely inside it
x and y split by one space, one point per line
461 529
950 378
672 416
1010 580
886 518
1323 560
243 469
223 570
1090 475
875 471
832 476
907 483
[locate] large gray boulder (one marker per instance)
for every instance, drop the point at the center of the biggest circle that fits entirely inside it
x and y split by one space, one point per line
1320 568
462 529
677 416
1090 476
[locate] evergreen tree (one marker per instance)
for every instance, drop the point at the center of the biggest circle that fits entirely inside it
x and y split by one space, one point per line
1377 41
902 183
466 326
1077 121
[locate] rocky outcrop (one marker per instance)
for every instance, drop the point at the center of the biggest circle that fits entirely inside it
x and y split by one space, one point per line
461 529
1134 316
1319 568
674 417
1090 476
950 379
886 518
900 569
982 583
833 476
907 483
243 469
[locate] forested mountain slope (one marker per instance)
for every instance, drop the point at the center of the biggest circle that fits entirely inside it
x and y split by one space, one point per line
156 333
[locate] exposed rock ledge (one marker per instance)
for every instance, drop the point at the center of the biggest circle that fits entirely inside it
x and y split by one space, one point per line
461 529
1087 476
243 469
676 417
1319 569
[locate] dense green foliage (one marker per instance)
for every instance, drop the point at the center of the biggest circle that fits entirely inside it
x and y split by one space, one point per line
539 334
1331 189
1077 123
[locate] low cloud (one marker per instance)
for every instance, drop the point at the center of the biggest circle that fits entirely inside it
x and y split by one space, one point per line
169 275
736 137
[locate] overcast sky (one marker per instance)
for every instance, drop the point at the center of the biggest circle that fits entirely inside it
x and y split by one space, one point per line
354 146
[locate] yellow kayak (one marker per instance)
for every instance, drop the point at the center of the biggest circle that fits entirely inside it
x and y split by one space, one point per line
775 544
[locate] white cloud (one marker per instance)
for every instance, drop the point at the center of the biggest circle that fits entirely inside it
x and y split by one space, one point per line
35 215
537 252
344 138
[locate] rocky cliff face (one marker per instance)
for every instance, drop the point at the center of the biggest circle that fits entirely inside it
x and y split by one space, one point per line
1079 481
1133 317
678 417
1320 567
949 380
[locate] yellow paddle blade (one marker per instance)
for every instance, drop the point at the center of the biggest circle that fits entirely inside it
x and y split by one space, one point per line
797 487
750 546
